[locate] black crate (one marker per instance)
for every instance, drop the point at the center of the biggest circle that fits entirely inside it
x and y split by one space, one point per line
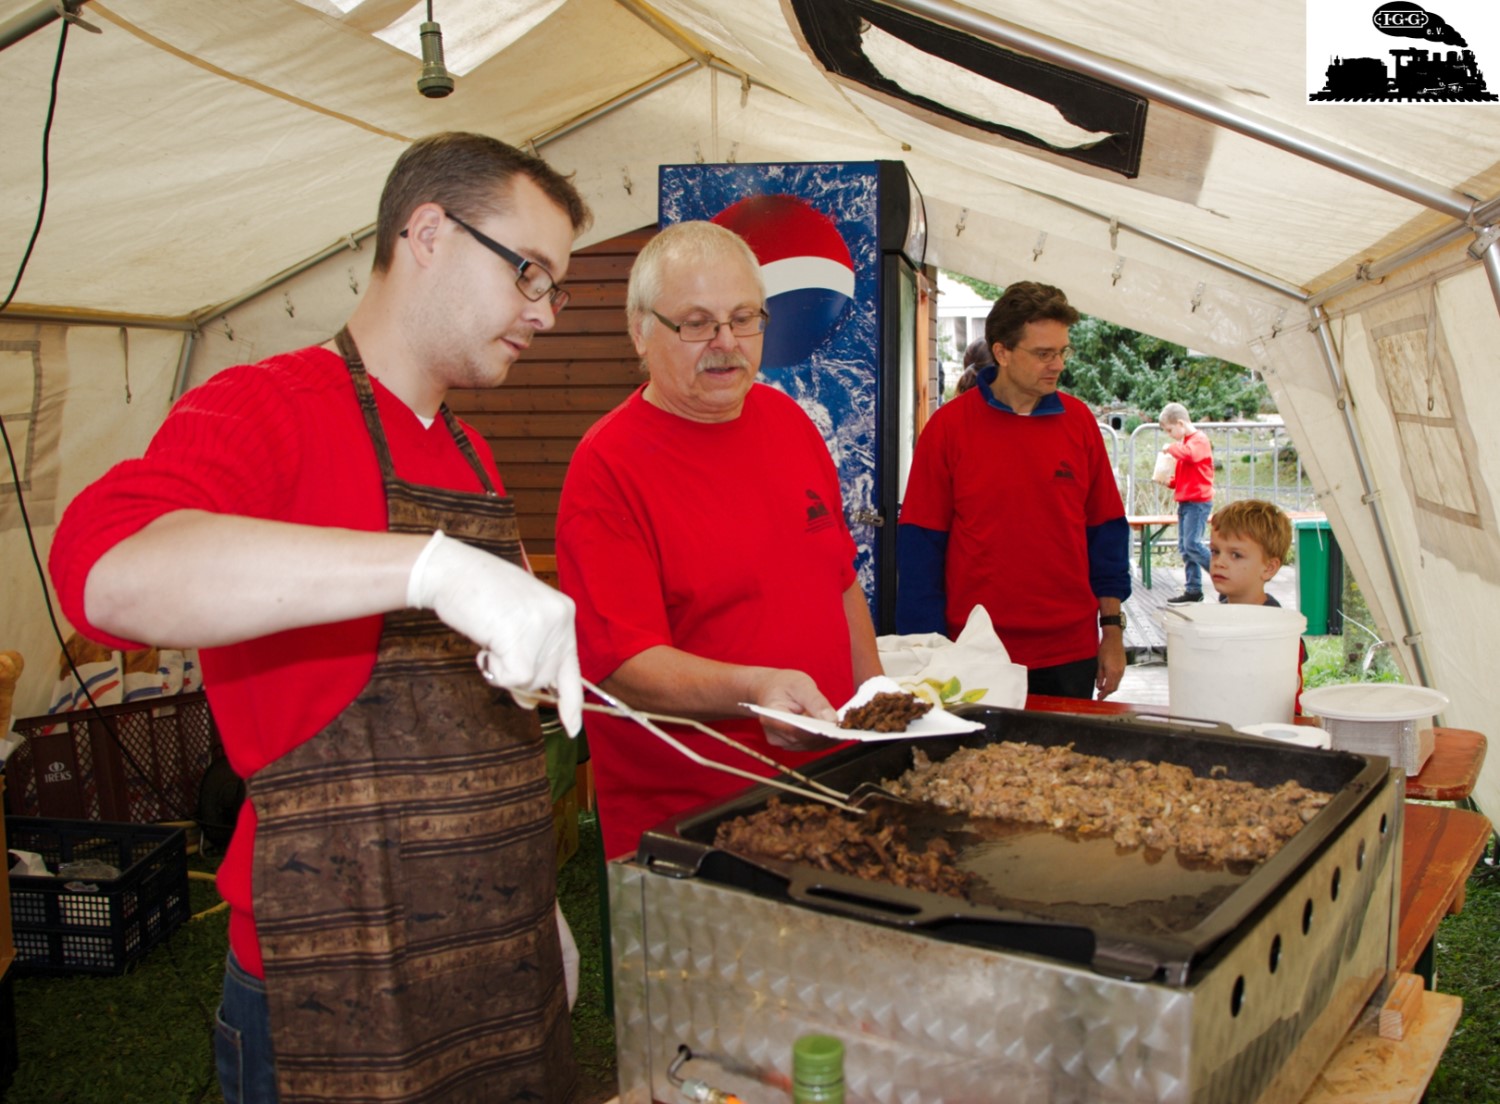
65 926
141 762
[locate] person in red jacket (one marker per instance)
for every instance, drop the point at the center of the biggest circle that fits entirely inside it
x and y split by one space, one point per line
1193 483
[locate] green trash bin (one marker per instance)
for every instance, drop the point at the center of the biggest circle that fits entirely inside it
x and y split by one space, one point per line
1316 555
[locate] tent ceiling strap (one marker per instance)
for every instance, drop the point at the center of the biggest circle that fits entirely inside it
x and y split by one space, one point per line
348 241
673 34
594 114
1152 86
1370 497
1290 290
1378 270
1483 239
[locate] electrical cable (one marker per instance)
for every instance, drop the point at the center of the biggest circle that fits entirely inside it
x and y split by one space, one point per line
168 803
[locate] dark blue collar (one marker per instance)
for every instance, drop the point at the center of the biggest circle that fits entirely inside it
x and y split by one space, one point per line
1047 404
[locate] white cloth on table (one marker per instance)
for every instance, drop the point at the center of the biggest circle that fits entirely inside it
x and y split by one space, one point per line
974 668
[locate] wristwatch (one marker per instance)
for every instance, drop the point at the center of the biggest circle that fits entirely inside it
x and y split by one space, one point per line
1112 619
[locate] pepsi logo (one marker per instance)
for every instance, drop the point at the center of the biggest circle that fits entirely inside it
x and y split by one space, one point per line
807 268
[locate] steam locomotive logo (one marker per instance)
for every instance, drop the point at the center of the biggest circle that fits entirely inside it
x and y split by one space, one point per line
1420 75
807 268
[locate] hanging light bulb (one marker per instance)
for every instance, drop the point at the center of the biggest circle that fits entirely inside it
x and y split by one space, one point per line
435 81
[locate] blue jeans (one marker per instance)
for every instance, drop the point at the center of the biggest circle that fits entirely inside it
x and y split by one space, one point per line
242 1039
1191 517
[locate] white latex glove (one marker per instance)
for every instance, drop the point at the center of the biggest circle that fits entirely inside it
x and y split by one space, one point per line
569 957
524 626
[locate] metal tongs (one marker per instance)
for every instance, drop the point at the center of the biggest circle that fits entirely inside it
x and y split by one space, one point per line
811 788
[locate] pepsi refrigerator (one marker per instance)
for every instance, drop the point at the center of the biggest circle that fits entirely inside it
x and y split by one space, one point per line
841 250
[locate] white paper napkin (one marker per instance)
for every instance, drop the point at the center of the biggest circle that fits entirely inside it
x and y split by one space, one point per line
974 668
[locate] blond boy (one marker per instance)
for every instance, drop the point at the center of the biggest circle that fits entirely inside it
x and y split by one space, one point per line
1248 543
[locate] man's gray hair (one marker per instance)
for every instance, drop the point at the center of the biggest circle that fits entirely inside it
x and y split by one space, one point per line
1173 412
689 243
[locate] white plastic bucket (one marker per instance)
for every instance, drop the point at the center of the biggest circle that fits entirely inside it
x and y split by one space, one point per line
1231 663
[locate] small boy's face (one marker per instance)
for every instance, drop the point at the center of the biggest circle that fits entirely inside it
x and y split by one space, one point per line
1175 430
1240 568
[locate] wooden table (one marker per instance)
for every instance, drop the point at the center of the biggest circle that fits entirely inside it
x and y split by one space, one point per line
1149 526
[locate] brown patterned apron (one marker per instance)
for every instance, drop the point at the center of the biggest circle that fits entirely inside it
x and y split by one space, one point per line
405 869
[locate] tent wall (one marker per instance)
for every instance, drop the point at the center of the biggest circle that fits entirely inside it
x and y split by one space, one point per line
99 394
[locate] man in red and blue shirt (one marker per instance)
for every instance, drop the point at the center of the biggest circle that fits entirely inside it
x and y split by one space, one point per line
1012 504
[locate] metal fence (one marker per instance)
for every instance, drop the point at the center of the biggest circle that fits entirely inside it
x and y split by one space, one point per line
1251 460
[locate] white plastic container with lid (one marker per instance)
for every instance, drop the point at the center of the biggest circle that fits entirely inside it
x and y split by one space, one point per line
1379 718
1231 663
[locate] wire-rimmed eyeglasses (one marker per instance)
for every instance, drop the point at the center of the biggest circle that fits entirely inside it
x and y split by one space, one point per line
741 324
1047 356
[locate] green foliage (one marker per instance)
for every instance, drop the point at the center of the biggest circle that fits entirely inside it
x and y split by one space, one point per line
1114 365
1466 964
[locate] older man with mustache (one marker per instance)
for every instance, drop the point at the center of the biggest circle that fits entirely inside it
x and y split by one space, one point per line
701 534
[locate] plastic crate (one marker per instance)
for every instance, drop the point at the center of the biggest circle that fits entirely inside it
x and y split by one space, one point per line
140 762
96 927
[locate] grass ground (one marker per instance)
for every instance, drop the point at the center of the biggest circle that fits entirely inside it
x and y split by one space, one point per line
145 1038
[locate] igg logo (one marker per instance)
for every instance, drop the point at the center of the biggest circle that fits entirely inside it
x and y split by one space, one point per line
1386 20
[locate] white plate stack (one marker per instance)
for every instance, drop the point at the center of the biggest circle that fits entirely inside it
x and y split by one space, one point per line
1379 718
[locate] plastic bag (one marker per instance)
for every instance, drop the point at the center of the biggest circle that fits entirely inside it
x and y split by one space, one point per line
1165 471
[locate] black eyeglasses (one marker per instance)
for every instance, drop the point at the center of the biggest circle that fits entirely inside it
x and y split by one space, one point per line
532 279
741 324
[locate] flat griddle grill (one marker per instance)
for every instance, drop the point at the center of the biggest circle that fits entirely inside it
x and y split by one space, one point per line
1124 914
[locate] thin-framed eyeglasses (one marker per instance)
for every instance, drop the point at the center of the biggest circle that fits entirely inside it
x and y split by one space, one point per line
532 279
1047 356
741 324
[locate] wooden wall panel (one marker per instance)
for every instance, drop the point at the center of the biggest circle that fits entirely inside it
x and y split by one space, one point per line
570 377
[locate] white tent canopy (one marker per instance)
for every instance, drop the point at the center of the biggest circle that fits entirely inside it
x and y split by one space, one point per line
214 168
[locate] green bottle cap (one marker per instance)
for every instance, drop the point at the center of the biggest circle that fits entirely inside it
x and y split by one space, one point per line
818 1060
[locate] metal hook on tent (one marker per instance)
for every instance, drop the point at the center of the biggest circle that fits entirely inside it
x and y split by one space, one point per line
1198 295
1276 325
291 311
625 178
68 9
353 243
1040 247
697 153
353 282
228 332
963 218
1114 233
1119 270
744 89
733 150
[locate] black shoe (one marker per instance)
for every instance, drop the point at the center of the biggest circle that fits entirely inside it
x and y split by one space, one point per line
1186 596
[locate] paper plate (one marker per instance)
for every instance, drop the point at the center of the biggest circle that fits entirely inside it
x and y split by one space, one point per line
935 722
1373 701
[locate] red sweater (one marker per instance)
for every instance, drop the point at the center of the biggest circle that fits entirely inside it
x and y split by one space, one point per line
281 440
1194 481
1016 495
724 540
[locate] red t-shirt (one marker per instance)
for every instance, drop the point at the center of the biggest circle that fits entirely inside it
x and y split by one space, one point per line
724 540
1194 479
282 440
1016 494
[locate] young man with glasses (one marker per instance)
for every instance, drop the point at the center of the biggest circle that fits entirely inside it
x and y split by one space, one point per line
701 532
1012 504
391 879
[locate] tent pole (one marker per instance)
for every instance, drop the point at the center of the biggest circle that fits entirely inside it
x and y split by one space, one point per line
184 358
979 25
1487 245
1371 497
